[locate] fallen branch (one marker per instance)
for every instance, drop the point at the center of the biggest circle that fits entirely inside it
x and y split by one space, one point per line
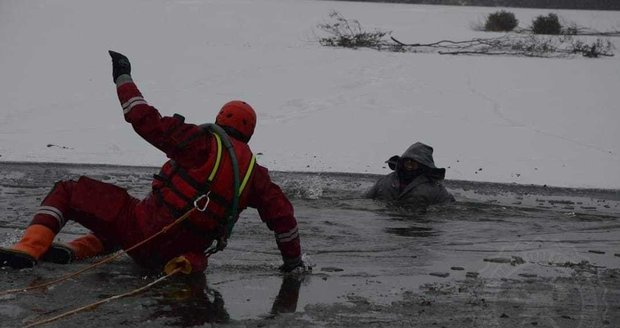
350 34
613 33
576 31
441 43
476 53
528 46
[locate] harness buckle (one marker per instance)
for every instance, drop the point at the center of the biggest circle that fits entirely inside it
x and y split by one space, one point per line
204 207
221 243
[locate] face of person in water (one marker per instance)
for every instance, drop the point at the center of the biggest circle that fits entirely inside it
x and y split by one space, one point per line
410 165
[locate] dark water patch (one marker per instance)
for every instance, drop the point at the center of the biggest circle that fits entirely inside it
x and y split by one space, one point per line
385 251
348 188
187 302
412 232
331 269
352 252
607 227
22 186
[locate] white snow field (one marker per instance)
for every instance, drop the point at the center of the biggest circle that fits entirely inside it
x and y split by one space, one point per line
499 119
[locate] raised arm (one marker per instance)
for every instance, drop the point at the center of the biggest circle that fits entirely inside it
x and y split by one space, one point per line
169 134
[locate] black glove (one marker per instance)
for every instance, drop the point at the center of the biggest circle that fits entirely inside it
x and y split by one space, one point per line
120 64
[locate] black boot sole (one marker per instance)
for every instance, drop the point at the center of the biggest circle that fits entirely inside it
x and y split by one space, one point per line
15 259
59 254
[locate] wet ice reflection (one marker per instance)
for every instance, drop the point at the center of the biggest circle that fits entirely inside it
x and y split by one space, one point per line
504 251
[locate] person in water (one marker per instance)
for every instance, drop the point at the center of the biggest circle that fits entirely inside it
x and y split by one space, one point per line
415 180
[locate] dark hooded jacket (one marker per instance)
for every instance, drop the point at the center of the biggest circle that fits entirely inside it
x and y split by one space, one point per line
424 189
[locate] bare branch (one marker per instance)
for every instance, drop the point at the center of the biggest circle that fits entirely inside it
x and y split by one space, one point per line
350 34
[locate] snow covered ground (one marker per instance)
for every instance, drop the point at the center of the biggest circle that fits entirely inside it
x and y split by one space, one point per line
499 119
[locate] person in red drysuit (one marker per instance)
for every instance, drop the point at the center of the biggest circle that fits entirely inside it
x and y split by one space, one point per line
199 172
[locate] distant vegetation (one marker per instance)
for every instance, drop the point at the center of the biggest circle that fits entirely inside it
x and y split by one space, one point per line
348 33
501 21
549 24
551 4
546 38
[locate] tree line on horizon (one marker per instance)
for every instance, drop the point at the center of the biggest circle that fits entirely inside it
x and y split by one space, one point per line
549 4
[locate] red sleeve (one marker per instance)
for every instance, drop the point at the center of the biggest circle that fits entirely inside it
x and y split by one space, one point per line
168 134
276 211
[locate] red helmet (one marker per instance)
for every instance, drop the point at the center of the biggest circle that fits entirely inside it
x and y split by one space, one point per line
238 119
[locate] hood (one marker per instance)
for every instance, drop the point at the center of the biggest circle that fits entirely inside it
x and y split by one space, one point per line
422 154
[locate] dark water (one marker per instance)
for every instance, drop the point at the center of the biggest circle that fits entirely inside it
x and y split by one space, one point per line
371 260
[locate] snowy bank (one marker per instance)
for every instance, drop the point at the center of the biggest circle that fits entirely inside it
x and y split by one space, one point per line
499 119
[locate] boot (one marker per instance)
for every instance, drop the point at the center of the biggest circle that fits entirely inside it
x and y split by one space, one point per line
78 249
35 242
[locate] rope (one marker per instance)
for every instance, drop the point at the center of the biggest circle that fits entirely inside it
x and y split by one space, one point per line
105 260
96 304
218 132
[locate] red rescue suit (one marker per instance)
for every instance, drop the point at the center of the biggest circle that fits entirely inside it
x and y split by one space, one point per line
209 185
197 166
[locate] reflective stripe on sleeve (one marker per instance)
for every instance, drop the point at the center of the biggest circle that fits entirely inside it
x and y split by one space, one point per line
129 104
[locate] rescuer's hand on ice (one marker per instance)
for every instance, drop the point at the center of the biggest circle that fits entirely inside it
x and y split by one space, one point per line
120 64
